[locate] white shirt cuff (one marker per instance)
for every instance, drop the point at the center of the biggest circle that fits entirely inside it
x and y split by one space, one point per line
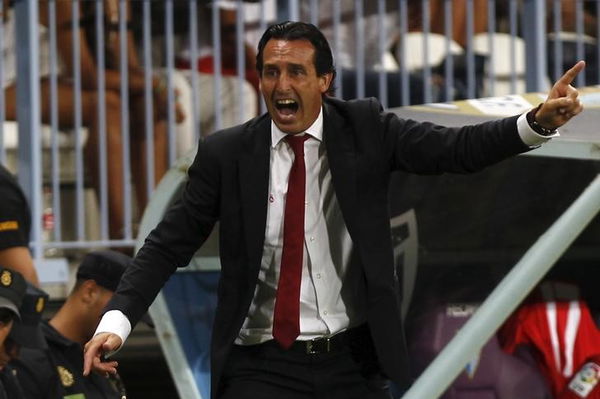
528 135
114 321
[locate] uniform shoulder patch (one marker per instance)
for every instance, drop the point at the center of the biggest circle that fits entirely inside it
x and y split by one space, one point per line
9 225
6 278
66 377
40 304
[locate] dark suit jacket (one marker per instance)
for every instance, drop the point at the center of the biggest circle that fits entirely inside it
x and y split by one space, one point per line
228 182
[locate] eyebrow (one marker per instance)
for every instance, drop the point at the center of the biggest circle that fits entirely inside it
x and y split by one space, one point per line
295 66
289 65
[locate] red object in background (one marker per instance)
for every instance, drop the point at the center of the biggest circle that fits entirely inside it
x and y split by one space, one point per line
563 334
584 384
206 65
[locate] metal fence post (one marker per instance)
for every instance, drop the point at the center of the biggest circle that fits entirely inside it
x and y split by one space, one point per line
28 115
534 33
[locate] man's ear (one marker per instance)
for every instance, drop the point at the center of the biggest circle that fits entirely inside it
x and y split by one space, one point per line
325 82
88 291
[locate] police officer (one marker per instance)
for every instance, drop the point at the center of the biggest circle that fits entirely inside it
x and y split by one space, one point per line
15 224
26 332
12 289
57 372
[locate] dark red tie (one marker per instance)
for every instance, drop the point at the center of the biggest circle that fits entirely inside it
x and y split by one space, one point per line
286 318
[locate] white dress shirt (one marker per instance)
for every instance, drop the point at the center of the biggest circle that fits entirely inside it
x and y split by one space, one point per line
331 295
332 292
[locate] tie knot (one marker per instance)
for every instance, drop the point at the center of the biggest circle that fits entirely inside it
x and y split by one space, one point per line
297 143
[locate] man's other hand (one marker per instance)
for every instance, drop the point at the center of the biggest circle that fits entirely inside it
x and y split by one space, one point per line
562 103
94 351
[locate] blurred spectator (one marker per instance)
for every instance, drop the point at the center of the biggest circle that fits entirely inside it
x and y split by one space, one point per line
348 51
66 107
12 289
573 36
460 34
90 98
202 69
57 372
113 82
459 18
15 225
568 12
384 53
356 41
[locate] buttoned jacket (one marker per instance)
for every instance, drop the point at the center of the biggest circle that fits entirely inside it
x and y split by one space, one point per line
228 182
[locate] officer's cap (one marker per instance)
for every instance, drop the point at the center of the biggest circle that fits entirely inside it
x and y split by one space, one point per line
12 289
27 331
104 267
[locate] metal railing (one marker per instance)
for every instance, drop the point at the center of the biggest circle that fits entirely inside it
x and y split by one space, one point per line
505 298
378 58
388 49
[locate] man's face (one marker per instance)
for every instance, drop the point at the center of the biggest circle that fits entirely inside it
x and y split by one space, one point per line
290 85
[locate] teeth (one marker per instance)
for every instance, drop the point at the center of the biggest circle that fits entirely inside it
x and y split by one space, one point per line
286 102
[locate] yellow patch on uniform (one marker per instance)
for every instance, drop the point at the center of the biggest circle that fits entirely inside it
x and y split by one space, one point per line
6 278
9 225
39 305
66 377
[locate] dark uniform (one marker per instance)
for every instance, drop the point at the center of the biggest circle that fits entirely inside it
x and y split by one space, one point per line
39 380
10 387
15 221
57 372
27 334
12 289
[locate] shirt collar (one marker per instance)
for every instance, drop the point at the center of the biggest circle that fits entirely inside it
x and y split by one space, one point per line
54 337
315 130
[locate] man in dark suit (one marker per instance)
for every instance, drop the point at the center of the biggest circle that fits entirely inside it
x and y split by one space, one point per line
309 302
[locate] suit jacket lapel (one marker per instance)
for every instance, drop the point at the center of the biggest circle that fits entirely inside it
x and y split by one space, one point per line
341 152
254 177
254 186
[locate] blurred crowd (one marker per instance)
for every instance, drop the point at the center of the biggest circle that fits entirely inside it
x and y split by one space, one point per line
43 358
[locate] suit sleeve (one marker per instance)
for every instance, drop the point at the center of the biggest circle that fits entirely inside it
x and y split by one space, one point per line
184 228
427 148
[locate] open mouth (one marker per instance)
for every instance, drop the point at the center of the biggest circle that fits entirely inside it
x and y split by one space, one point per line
286 106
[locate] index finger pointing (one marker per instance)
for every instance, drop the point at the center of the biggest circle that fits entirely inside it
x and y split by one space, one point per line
570 75
91 351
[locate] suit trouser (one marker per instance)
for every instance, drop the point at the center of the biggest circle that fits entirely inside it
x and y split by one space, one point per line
266 371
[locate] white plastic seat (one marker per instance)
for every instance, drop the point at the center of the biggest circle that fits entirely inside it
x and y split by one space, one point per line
66 145
501 61
437 44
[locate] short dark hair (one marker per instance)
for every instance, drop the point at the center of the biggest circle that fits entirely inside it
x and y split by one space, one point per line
105 267
300 31
6 316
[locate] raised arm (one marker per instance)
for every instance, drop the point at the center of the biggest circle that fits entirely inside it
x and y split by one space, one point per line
562 102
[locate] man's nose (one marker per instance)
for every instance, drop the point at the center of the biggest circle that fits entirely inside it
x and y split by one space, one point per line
283 83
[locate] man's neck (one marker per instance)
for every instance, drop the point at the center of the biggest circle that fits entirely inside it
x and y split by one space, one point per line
63 323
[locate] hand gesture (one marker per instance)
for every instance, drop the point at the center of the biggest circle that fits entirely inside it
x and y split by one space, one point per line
562 103
94 351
